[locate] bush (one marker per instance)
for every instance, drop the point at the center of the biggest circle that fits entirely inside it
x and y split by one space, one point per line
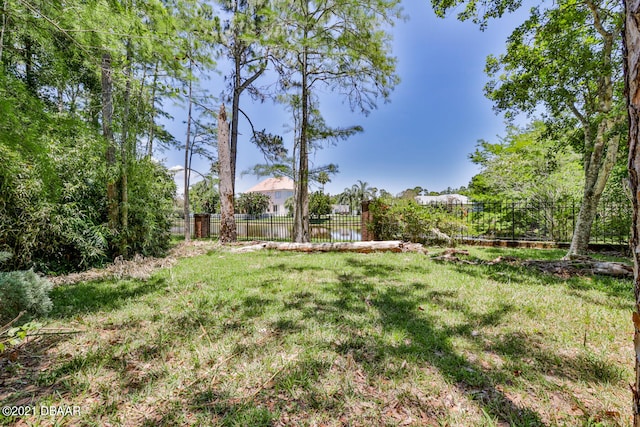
319 204
253 203
53 203
151 191
408 221
23 291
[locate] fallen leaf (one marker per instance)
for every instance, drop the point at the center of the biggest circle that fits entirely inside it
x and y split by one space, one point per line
612 414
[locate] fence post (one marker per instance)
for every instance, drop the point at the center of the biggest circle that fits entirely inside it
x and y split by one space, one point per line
553 208
201 225
513 221
365 220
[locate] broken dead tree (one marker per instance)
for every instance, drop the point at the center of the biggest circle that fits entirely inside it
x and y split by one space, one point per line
581 266
450 256
577 267
360 247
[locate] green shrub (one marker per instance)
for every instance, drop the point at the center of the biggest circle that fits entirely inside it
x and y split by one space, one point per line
408 221
11 337
319 204
23 291
151 191
253 203
384 225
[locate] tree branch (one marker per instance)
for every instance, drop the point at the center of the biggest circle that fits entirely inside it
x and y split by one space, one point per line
597 21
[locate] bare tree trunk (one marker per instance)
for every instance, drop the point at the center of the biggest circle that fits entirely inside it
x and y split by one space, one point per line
301 213
28 64
631 53
235 110
227 221
239 86
152 124
361 247
124 153
240 50
107 131
187 170
60 99
5 12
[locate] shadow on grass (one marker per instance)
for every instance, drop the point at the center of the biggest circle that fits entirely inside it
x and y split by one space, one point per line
71 301
351 303
94 296
398 309
222 409
380 270
620 289
14 389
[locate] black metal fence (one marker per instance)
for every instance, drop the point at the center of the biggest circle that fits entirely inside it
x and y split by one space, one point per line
327 228
534 221
538 221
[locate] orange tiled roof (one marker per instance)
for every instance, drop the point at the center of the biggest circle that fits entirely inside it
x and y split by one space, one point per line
272 184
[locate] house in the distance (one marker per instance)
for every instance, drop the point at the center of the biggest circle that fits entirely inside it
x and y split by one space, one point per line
278 190
449 199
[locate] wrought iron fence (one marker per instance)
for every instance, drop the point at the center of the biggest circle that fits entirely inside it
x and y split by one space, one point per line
535 221
538 221
326 228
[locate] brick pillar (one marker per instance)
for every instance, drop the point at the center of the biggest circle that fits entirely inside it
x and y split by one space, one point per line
365 220
202 222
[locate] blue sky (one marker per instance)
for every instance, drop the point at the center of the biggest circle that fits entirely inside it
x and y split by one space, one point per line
423 136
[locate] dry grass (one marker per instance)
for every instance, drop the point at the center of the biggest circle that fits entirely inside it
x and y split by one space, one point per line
140 267
333 339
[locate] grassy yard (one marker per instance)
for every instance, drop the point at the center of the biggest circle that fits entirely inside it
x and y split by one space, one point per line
331 339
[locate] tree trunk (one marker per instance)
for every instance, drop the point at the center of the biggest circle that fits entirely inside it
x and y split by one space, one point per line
582 230
598 166
107 132
5 12
237 54
152 121
361 247
28 65
301 213
601 150
239 86
227 221
124 154
631 54
235 110
187 170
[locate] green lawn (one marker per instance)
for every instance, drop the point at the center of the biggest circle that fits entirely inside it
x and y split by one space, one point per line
271 338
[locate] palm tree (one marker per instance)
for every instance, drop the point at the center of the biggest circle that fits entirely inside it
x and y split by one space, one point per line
323 178
362 191
355 195
347 197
